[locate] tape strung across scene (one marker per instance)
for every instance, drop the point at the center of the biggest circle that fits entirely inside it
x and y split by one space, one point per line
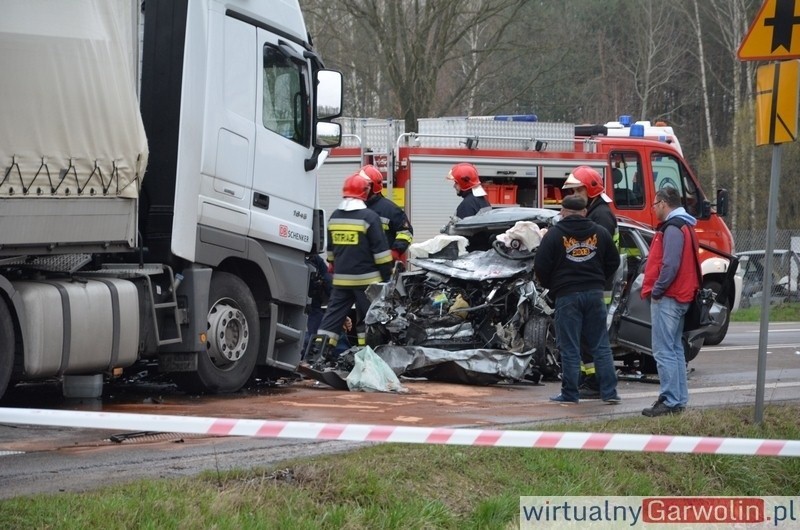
400 434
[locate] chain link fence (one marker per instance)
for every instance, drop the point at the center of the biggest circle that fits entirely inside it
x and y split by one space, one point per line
785 265
757 239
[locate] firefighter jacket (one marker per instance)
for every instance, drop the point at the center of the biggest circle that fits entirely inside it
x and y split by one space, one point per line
357 248
575 255
470 205
399 233
600 212
672 268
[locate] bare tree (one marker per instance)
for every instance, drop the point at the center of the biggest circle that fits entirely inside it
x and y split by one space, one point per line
655 54
732 21
431 55
693 16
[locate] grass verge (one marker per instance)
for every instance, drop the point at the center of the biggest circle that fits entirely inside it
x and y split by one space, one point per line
411 486
783 312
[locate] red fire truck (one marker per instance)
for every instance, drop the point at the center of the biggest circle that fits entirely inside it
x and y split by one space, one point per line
525 162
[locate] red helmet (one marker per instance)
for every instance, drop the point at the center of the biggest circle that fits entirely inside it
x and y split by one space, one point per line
584 176
465 176
374 175
356 187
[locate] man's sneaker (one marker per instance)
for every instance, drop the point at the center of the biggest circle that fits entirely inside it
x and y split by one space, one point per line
561 399
660 408
616 400
586 392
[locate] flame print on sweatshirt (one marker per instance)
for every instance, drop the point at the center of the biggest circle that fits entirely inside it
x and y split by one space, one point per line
580 250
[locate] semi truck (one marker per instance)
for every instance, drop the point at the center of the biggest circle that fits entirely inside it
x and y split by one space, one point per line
522 161
158 187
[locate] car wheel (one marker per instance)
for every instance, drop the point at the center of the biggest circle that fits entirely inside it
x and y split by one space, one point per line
716 338
540 333
690 352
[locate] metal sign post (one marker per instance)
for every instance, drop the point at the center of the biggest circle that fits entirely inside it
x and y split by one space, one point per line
766 290
772 37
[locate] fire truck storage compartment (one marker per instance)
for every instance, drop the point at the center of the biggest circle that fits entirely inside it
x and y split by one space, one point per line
79 326
501 193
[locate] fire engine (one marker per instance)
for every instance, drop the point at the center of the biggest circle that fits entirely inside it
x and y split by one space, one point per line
522 161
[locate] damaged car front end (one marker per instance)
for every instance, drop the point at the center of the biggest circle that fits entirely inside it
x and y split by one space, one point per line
480 317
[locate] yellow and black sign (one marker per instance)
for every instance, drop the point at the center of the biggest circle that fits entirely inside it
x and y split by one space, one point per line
774 34
776 102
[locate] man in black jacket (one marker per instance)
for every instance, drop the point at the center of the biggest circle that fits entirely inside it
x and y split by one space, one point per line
399 233
574 260
587 182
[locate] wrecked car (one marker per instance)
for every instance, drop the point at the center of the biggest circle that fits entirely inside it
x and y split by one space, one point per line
479 316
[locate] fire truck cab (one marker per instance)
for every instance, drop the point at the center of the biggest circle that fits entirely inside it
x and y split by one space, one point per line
526 163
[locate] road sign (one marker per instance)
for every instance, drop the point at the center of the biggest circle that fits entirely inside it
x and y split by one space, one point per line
776 102
774 34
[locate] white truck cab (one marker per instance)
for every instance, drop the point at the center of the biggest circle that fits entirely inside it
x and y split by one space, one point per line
186 203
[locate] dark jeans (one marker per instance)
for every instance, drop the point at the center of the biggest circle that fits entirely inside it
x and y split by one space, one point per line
339 306
583 315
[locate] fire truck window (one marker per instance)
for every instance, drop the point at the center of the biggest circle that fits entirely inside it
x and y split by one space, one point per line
627 185
668 171
284 97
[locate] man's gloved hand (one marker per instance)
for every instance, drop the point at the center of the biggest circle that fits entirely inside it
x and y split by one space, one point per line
397 255
330 267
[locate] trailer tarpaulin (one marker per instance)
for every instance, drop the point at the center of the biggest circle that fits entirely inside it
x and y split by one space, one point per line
69 115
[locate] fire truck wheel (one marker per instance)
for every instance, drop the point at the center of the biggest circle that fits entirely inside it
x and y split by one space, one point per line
232 339
716 338
7 342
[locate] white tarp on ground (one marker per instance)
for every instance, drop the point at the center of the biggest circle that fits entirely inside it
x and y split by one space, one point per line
67 92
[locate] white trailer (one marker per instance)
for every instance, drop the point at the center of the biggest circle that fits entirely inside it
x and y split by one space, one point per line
158 189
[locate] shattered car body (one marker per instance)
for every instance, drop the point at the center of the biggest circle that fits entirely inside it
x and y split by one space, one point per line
488 300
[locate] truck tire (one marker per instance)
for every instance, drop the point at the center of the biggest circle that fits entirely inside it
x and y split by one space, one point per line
233 339
7 342
716 338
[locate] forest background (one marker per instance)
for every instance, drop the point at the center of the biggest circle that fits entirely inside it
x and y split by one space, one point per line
579 61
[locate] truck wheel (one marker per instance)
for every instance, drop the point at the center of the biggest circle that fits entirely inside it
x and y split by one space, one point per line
716 338
540 333
6 346
233 339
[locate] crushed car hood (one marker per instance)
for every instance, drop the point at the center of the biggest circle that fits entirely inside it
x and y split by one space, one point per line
478 265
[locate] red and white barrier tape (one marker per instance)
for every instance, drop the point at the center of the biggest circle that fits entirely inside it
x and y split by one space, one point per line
402 434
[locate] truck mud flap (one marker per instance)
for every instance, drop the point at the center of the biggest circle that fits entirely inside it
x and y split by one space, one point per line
329 377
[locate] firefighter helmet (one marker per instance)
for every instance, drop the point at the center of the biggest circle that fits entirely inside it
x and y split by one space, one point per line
374 175
584 176
465 176
356 187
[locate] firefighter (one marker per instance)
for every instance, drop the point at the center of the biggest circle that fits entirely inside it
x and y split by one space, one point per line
398 230
587 183
468 187
359 256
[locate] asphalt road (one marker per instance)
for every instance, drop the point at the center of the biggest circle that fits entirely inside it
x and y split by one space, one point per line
51 460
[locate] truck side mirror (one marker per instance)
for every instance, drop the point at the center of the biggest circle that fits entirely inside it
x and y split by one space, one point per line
722 202
328 134
329 94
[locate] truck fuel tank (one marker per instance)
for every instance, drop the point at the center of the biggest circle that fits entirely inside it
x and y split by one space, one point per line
78 326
